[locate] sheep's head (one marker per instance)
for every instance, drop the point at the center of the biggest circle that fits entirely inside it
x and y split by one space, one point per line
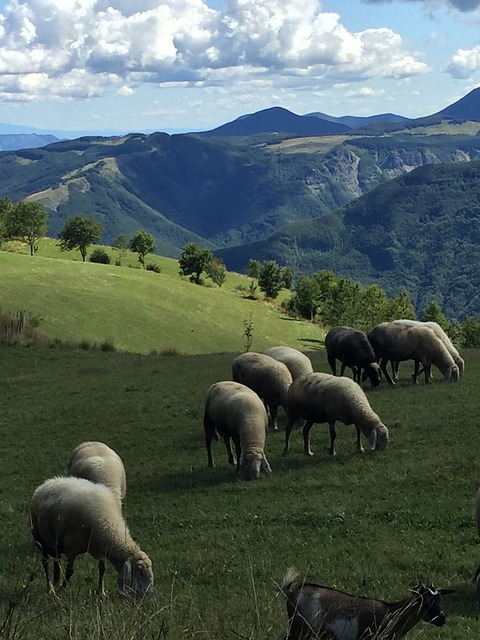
378 437
136 575
373 372
451 374
253 463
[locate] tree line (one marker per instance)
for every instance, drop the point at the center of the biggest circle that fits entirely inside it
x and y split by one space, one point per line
322 298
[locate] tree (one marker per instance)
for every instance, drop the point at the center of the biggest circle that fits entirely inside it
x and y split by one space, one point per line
216 271
121 244
27 222
194 261
287 276
433 313
79 233
270 278
5 205
142 243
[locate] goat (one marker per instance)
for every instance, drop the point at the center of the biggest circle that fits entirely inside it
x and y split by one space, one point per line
325 613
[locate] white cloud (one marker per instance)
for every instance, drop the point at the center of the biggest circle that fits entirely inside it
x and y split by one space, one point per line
78 48
461 5
464 63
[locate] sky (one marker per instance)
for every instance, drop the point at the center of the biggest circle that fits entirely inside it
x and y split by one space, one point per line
186 65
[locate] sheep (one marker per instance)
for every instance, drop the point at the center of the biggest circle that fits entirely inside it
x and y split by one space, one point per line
322 397
234 411
476 575
318 611
440 333
353 349
70 516
99 463
268 377
398 342
297 362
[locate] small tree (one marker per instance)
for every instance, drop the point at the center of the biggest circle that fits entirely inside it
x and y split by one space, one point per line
270 279
142 243
121 244
100 256
80 233
287 276
5 205
27 222
216 271
194 261
433 313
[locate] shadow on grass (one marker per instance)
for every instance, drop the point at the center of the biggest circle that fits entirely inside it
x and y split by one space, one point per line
463 602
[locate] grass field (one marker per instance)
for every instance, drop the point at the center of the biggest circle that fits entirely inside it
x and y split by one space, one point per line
373 524
141 311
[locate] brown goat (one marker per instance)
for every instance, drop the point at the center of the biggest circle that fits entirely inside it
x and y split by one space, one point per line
324 613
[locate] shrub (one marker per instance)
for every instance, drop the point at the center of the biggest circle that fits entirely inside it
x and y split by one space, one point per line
151 266
100 256
107 345
169 351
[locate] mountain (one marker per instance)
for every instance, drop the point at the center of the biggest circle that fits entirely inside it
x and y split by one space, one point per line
12 141
277 120
467 108
420 231
357 122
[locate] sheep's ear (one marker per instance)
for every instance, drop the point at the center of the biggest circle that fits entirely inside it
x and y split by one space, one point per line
372 438
125 576
448 375
265 466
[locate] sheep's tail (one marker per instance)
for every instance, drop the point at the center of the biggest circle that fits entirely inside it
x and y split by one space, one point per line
288 579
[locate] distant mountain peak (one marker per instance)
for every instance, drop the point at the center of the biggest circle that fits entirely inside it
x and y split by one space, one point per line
467 108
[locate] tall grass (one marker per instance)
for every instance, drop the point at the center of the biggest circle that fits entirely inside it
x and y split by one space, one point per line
372 524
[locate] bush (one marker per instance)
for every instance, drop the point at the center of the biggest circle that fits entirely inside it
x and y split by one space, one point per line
151 266
107 345
100 256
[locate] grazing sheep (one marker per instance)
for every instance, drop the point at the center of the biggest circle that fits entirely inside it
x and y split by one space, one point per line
297 362
322 397
99 463
353 349
268 377
70 516
235 411
318 611
440 333
398 342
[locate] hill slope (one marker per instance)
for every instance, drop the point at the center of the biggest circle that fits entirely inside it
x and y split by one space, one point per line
140 310
420 231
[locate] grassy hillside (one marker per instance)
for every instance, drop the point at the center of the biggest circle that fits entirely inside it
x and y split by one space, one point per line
140 310
374 524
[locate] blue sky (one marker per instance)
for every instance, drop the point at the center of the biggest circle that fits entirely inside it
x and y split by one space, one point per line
169 65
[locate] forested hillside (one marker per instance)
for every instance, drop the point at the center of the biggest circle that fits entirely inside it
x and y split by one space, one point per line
216 191
420 231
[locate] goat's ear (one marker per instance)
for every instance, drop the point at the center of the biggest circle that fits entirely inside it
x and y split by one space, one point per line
372 438
446 592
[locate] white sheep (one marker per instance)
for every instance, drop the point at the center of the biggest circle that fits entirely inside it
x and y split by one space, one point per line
297 362
99 463
440 333
322 397
235 411
268 377
70 516
397 342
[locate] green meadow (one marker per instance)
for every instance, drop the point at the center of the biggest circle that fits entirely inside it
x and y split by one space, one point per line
373 524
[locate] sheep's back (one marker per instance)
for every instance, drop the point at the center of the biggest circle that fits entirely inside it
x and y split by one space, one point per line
263 374
297 362
235 407
97 462
350 346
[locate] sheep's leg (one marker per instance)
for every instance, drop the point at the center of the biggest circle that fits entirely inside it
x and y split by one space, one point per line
291 419
50 587
333 364
333 437
56 572
383 367
68 572
342 368
238 450
359 447
273 413
306 438
356 373
210 433
394 364
228 447
101 574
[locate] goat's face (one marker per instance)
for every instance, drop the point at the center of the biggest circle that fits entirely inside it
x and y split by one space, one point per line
136 576
432 604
